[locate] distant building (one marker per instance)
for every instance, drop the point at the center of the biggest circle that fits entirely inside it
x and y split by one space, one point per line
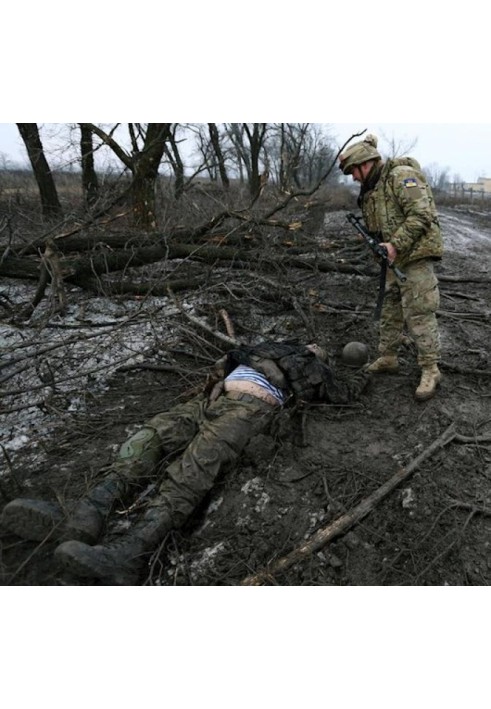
483 184
470 191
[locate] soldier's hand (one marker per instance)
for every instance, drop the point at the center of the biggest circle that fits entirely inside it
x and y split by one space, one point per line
391 251
281 425
215 391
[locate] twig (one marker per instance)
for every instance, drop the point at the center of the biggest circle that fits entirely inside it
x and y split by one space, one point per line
196 321
228 323
444 553
472 439
10 466
308 323
466 370
476 509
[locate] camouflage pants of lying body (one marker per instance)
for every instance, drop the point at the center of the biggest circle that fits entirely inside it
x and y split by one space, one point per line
413 303
207 438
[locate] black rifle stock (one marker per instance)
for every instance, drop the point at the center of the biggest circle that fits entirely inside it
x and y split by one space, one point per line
380 251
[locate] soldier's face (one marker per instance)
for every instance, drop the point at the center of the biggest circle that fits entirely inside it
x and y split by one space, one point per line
356 174
360 172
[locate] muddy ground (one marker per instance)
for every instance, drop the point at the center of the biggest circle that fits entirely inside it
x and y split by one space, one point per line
432 529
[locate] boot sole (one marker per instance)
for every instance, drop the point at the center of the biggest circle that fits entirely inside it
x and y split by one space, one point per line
29 524
70 556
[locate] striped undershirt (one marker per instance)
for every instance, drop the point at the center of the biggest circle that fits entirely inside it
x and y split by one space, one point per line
248 374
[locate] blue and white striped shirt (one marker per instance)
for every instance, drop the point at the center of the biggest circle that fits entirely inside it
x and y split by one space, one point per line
248 374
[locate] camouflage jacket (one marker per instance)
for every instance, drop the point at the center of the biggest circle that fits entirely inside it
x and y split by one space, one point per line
300 371
401 208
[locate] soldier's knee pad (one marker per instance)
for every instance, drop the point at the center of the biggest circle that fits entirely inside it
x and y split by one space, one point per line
144 444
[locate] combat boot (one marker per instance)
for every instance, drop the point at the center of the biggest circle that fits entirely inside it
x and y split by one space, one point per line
120 561
386 363
430 378
35 520
38 520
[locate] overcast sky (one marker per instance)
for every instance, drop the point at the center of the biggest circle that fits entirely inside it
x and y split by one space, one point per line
463 148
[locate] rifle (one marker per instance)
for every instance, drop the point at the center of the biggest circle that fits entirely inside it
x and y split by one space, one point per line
380 251
374 245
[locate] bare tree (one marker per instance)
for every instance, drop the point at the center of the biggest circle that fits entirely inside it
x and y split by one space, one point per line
90 182
217 149
50 204
248 142
438 177
291 145
205 150
299 154
148 142
397 147
171 150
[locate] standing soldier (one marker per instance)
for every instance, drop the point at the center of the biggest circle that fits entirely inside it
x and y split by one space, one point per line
397 202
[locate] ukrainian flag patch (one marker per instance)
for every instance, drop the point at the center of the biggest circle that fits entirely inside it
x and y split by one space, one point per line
410 182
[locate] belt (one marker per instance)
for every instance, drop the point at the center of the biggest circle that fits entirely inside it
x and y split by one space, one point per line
240 396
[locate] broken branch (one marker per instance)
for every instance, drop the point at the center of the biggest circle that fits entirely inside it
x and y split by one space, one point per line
346 521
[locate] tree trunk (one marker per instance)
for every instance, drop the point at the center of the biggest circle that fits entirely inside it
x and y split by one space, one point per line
143 163
177 165
283 178
143 201
215 141
90 183
145 171
256 138
108 261
50 203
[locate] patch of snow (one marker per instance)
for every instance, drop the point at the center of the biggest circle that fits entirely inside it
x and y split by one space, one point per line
262 502
49 364
253 485
206 558
408 498
15 443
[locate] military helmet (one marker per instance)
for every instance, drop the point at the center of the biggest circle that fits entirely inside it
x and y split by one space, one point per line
355 354
359 153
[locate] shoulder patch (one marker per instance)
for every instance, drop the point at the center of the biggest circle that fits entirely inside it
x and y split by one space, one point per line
410 182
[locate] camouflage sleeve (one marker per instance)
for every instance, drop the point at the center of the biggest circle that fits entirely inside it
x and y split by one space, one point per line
343 388
411 196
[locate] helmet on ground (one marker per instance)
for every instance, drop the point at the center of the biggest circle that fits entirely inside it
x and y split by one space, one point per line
359 153
355 354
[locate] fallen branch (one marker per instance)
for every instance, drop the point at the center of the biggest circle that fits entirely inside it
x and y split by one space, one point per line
465 370
459 279
472 439
230 341
460 315
476 509
346 521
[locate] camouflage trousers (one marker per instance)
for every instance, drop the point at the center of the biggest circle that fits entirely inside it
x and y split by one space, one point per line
413 304
206 438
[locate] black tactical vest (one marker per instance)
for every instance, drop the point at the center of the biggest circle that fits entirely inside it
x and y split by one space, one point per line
307 377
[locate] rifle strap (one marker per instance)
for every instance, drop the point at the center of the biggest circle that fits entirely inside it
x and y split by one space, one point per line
381 290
